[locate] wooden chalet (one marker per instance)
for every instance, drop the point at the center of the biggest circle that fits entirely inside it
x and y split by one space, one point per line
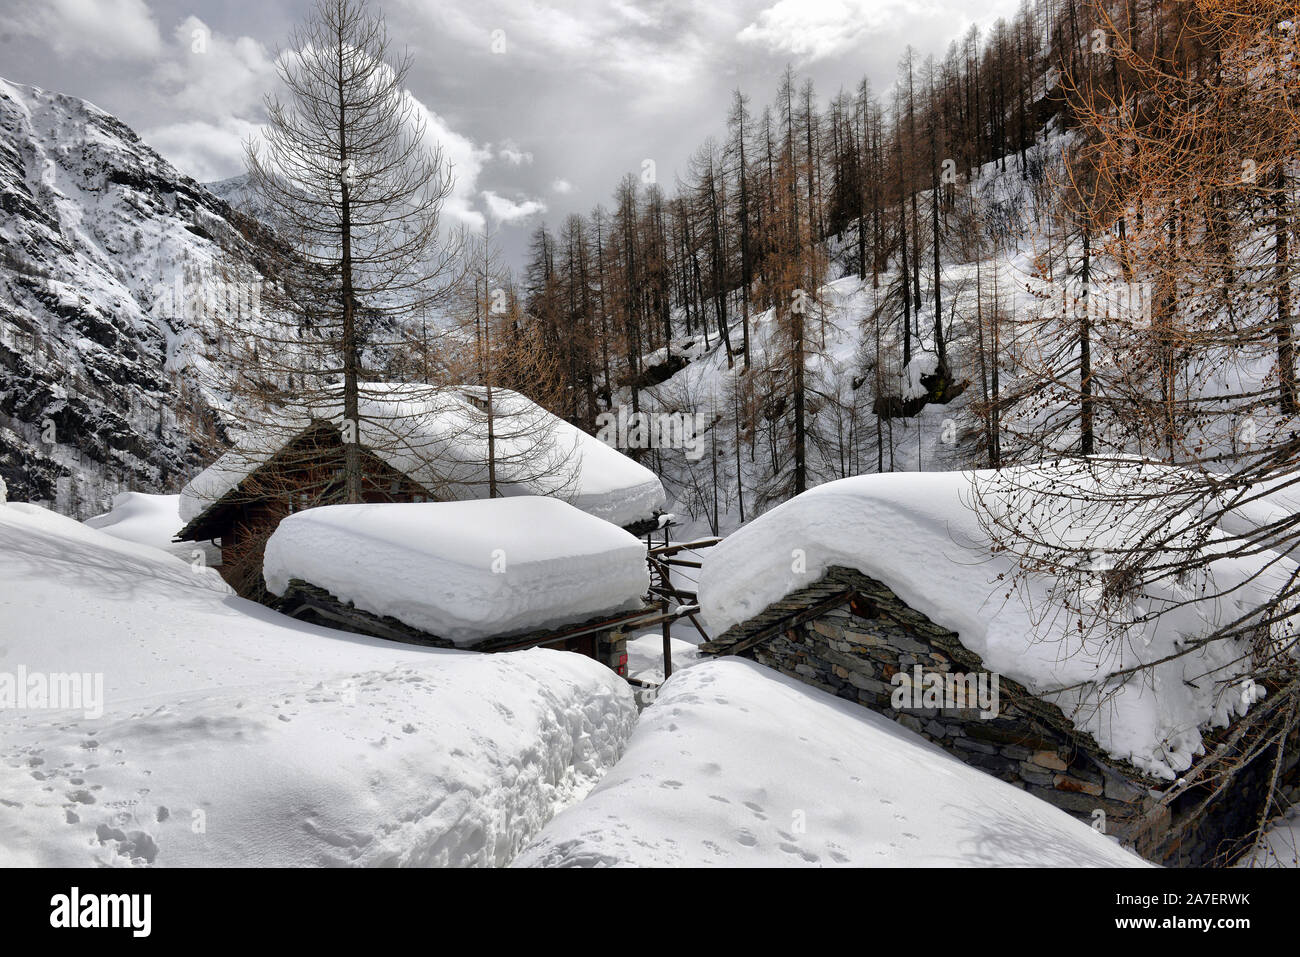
306 472
239 501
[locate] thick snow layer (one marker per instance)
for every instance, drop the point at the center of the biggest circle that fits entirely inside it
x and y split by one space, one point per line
919 534
1266 512
736 765
464 571
152 520
233 736
1279 846
439 437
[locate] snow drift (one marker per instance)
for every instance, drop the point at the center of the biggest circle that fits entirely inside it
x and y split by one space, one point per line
739 766
152 520
233 736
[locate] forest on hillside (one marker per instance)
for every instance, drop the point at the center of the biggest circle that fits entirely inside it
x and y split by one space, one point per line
1061 229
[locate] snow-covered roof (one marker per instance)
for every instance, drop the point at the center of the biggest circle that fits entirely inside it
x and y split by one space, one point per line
920 534
439 437
464 571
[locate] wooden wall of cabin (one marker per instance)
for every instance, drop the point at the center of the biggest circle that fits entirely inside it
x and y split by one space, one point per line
279 491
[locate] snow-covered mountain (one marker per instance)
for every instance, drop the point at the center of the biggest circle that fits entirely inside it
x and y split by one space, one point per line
98 233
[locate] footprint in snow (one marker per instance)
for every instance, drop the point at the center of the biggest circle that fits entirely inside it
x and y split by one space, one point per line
808 856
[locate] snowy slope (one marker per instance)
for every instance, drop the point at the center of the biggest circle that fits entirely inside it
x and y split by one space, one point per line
736 765
96 233
152 520
1279 845
233 736
1030 279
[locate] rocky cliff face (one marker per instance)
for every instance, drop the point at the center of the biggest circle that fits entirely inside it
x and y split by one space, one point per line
104 249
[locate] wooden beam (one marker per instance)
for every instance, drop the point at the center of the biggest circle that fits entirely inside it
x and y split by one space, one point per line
790 621
663 550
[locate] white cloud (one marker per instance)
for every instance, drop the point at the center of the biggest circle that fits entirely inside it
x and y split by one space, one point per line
466 161
651 51
816 29
213 102
562 186
103 29
211 95
207 150
513 155
505 210
218 77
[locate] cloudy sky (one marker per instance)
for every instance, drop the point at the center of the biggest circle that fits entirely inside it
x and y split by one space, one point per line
542 105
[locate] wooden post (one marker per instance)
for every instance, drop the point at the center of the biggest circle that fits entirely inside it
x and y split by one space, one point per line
668 625
667 622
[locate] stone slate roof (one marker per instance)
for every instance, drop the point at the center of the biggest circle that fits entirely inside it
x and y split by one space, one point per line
309 602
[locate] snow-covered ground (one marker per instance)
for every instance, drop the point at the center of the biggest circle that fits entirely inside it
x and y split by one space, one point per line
645 652
464 571
737 765
230 735
1280 844
152 520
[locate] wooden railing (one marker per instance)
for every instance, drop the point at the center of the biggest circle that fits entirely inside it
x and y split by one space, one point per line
678 602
